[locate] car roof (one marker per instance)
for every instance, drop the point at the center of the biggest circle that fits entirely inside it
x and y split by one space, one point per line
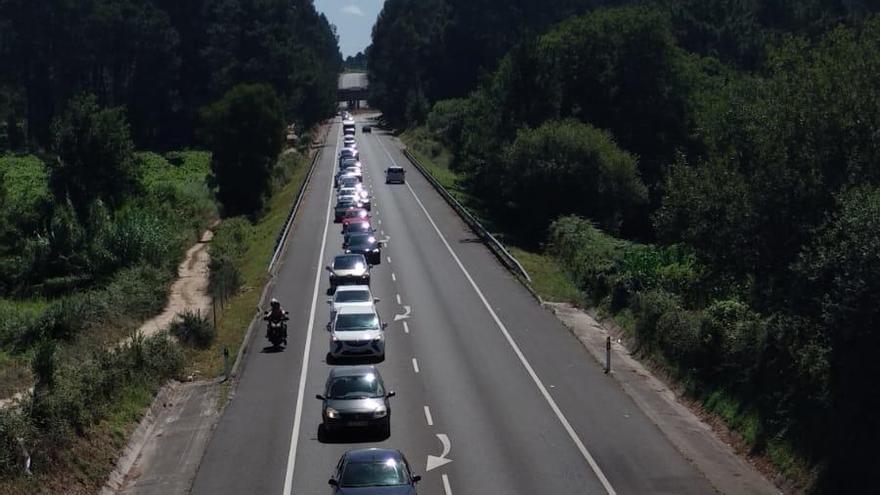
349 255
362 369
347 288
373 455
356 310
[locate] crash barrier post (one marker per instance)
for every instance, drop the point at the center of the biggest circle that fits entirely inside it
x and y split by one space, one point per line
607 354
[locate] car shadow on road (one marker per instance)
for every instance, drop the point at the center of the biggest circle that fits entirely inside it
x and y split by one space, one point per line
352 361
272 349
351 435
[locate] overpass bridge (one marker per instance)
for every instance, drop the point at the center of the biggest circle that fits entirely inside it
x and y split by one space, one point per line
353 89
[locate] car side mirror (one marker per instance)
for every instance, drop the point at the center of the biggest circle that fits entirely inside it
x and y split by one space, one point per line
328 269
417 478
329 301
390 394
332 482
376 299
384 325
320 397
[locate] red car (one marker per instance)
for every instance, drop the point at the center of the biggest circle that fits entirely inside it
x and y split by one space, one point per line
354 215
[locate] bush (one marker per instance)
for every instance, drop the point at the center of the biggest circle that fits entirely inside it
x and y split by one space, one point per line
649 307
13 427
679 339
193 329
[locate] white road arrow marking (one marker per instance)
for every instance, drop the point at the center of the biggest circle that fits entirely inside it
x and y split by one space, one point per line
403 316
435 462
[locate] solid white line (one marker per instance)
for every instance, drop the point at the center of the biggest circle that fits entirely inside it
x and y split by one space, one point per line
297 417
428 417
394 277
405 327
415 365
446 487
398 298
522 358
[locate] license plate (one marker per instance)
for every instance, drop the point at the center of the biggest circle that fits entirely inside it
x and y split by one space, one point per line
358 423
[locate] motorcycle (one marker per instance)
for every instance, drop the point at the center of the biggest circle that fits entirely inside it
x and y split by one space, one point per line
276 329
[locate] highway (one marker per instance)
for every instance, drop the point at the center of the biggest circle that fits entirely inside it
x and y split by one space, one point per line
487 381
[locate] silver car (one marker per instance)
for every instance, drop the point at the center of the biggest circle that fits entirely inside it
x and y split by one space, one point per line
351 296
357 332
349 269
355 396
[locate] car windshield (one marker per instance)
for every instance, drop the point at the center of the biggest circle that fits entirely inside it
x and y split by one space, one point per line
385 473
359 227
347 296
361 241
356 387
349 181
357 321
349 263
345 203
355 214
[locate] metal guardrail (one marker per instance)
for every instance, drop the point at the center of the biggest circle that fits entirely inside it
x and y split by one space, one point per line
282 236
494 244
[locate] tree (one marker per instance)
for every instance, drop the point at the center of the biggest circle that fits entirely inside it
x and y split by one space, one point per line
564 168
246 132
95 154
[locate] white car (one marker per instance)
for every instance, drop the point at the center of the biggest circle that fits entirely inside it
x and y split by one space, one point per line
357 332
351 296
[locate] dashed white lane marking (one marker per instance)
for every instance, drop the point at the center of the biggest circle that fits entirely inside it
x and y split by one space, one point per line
380 222
405 328
398 298
416 365
394 277
594 466
388 258
428 417
446 487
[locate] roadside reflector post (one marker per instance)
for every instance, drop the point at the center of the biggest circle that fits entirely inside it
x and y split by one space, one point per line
607 354
226 362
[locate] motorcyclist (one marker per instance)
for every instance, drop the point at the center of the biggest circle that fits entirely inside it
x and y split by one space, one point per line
275 314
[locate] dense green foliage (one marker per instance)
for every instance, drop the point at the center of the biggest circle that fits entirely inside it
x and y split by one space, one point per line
357 61
246 132
741 139
160 59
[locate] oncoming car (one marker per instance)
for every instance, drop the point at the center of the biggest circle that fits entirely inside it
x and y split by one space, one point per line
374 471
357 332
355 397
395 174
349 269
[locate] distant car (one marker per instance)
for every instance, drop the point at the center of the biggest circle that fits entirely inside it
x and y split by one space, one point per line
349 269
355 397
349 153
348 181
349 141
349 296
374 471
357 332
365 244
395 174
342 206
367 129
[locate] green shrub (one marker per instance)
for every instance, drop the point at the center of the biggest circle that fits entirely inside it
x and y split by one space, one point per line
732 336
193 329
649 307
678 337
13 426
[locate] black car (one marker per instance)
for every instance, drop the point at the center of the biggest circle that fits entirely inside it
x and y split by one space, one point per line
375 472
354 397
365 244
367 129
342 206
363 227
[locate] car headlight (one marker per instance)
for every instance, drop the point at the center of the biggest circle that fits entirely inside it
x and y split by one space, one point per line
332 413
378 338
380 412
376 250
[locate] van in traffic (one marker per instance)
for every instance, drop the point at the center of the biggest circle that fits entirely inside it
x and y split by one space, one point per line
395 174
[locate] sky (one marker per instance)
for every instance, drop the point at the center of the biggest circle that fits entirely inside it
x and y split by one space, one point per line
354 21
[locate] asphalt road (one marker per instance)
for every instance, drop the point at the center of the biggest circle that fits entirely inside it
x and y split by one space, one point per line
477 365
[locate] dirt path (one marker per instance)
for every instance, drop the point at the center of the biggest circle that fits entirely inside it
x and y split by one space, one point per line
189 292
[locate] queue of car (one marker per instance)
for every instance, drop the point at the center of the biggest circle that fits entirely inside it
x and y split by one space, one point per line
355 395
